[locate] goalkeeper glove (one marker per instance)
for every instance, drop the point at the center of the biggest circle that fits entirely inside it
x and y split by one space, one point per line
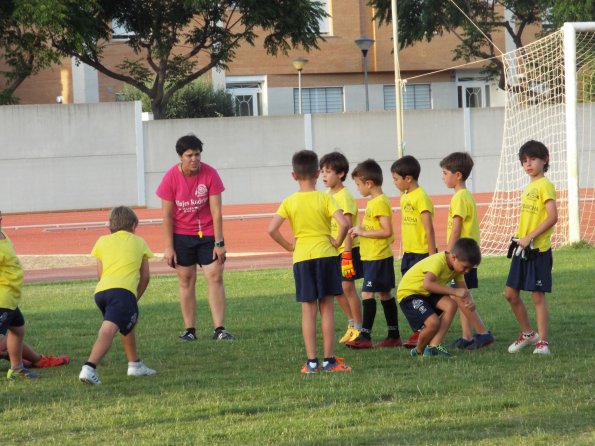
347 269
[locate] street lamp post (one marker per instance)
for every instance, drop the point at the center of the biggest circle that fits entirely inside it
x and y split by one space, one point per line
298 64
364 43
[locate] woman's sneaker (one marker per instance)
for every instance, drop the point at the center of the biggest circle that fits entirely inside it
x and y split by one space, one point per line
523 341
223 335
542 348
187 335
139 369
89 375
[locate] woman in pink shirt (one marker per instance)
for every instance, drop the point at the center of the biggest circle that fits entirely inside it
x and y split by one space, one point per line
190 195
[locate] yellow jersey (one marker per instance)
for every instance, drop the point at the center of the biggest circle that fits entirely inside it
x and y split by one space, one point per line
533 211
11 275
413 231
376 248
347 204
463 205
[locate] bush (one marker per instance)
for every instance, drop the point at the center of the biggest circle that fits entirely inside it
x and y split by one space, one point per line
197 100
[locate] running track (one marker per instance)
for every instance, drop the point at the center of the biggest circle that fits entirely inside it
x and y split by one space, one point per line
245 227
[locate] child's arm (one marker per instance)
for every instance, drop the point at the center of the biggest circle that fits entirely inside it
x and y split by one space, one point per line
426 219
551 220
348 241
99 269
385 231
432 285
144 279
455 232
276 235
343 227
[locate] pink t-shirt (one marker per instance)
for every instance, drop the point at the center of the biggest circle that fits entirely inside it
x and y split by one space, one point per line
190 196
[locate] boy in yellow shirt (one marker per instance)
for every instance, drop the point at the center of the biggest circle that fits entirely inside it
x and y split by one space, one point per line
376 236
417 215
315 269
334 168
531 268
12 322
123 270
424 294
463 222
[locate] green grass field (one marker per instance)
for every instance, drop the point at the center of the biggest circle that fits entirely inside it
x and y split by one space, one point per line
251 392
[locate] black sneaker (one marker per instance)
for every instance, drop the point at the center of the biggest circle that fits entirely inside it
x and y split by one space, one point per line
223 335
187 335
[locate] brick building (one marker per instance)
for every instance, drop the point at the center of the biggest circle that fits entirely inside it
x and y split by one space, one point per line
332 80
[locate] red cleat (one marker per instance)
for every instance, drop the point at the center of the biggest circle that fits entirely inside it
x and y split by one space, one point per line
51 361
389 342
360 342
412 341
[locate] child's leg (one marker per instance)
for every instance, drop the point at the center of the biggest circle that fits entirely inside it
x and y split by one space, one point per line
354 302
470 320
389 305
449 309
518 308
541 314
103 343
369 312
466 325
309 311
327 322
427 332
14 344
129 344
342 301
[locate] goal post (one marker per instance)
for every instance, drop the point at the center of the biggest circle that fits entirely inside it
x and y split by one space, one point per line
550 97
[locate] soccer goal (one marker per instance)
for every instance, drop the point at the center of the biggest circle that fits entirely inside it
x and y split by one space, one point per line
550 97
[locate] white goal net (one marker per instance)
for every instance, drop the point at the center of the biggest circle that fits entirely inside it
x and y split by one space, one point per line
550 97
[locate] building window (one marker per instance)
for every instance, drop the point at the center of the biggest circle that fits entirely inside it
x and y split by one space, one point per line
473 96
415 96
247 98
120 32
319 100
325 24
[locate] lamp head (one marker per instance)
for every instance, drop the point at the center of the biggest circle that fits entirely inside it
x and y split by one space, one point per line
364 43
299 62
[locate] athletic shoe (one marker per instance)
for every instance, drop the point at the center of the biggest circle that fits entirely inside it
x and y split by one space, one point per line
347 336
223 335
414 354
187 335
412 341
436 350
89 375
354 334
336 366
18 375
481 341
51 361
462 343
139 369
307 369
389 342
542 348
523 342
360 342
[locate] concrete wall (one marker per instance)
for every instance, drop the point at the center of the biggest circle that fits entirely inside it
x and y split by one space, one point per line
56 157
68 156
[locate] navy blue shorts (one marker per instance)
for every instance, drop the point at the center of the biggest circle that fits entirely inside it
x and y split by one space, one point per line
118 306
409 259
532 274
357 266
379 275
418 308
192 249
471 279
317 278
10 318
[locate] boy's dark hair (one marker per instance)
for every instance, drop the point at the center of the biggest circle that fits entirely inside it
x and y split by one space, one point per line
122 218
186 142
467 250
458 162
335 161
406 166
305 164
535 149
368 170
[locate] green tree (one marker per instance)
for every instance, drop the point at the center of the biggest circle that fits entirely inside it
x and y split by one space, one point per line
427 19
24 50
167 37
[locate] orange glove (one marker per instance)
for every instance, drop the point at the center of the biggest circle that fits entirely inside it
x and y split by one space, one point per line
347 269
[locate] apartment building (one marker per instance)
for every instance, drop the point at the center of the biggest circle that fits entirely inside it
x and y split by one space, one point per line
332 79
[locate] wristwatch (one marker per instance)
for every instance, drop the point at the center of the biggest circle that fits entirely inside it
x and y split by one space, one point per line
220 244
